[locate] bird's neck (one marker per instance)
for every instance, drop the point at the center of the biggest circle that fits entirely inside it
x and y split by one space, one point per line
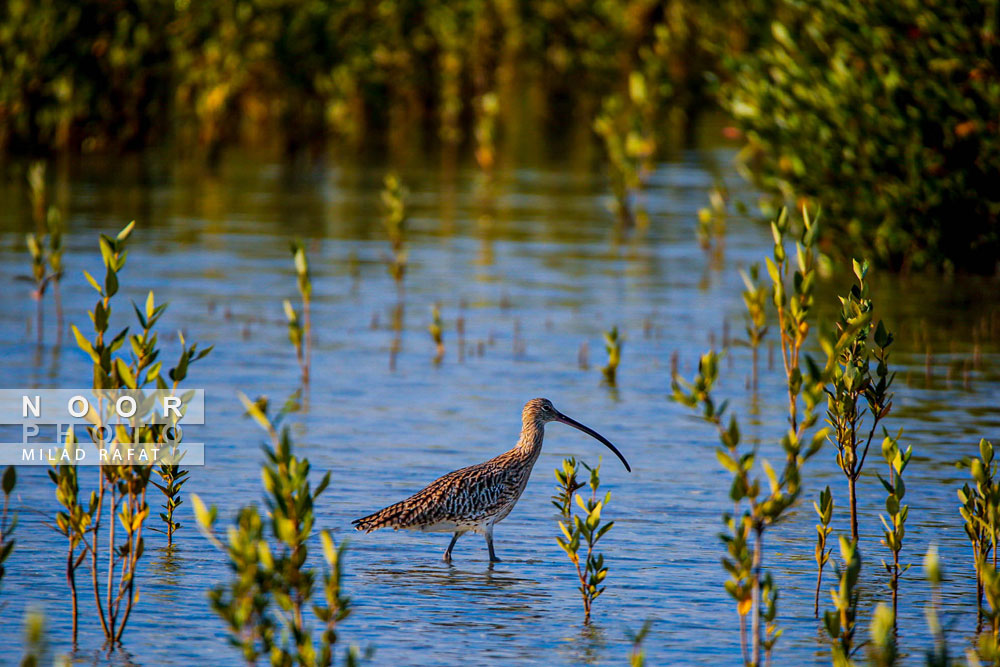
530 442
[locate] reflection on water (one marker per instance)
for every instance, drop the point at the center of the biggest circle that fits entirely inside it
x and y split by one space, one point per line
496 590
166 566
529 269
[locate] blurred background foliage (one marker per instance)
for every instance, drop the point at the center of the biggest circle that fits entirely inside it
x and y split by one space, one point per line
96 75
885 113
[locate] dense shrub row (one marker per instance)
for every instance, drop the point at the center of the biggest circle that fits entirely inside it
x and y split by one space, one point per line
885 112
94 74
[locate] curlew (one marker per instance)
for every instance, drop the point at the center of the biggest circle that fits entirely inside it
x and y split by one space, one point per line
476 498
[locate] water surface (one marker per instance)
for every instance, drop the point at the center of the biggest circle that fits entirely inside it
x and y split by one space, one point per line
535 266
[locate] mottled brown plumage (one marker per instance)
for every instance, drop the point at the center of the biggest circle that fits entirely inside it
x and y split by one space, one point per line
474 499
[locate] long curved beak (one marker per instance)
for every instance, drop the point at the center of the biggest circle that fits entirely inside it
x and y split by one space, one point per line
593 434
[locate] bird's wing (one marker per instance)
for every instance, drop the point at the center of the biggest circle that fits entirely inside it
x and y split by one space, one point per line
463 495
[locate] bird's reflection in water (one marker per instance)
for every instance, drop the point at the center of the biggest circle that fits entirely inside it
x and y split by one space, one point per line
496 593
440 578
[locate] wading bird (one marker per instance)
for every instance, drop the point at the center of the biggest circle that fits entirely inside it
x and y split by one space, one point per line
474 499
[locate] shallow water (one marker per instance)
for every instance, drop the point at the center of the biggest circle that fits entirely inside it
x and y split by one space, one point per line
535 266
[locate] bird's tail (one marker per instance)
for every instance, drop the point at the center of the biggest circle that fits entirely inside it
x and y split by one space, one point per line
389 517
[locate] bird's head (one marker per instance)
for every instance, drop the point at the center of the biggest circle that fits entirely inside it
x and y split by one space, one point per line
539 411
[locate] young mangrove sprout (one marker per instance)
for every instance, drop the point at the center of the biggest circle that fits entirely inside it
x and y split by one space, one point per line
793 304
46 263
394 221
300 330
981 512
629 144
73 522
841 622
895 525
267 603
124 479
755 299
769 597
8 520
824 510
568 486
711 229
637 656
39 278
169 471
756 509
54 221
36 644
937 656
853 382
882 650
613 343
146 353
750 586
583 530
989 643
173 478
436 330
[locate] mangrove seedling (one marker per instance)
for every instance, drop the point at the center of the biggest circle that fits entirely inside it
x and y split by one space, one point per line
824 510
568 486
989 643
294 329
937 656
841 622
173 478
895 526
793 305
39 278
267 603
711 229
854 390
72 522
882 649
122 482
981 512
629 145
745 538
46 263
169 471
769 597
8 520
755 298
36 644
754 508
56 229
144 348
613 343
436 330
637 656
300 330
583 530
394 221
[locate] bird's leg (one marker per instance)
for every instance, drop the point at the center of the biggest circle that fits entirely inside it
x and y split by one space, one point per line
447 554
489 543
